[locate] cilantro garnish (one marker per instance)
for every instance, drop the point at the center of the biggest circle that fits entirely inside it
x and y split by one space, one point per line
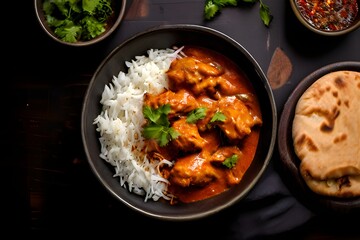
196 114
77 20
158 126
230 162
265 14
213 7
218 116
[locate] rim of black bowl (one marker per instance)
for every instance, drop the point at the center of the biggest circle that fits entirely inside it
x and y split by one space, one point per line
300 17
120 7
290 161
101 169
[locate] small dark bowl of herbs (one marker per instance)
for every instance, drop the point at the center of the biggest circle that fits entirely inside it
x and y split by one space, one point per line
79 22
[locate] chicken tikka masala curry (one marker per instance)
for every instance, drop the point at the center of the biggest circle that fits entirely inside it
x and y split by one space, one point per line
208 123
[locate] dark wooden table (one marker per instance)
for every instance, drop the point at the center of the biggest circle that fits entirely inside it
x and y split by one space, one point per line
48 187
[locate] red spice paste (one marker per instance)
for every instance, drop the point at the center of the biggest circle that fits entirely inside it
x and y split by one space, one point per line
329 15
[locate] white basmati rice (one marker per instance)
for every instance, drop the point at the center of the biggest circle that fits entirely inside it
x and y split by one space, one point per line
121 119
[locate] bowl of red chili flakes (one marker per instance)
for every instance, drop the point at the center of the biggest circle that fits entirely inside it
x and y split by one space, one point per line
328 17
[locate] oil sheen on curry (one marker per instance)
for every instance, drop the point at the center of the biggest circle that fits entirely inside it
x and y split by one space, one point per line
213 120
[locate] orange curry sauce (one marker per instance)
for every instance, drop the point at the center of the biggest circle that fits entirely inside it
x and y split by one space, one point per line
206 79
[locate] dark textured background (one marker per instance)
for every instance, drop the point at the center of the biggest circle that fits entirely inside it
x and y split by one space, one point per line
48 187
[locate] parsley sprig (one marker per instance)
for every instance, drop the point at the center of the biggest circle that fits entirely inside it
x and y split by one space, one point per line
213 7
158 125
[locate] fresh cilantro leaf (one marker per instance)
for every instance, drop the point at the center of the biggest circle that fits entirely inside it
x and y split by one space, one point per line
93 27
224 3
54 22
173 133
158 127
196 114
164 138
230 162
153 130
265 14
75 6
212 7
48 8
159 115
218 116
68 31
90 5
63 7
210 10
76 20
103 10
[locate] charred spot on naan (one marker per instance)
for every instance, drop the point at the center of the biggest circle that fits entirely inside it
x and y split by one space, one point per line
330 117
339 82
305 141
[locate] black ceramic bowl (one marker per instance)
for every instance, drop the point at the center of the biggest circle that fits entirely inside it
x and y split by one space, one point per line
167 36
290 162
118 7
309 23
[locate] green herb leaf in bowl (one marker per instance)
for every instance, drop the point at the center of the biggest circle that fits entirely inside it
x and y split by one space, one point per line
77 20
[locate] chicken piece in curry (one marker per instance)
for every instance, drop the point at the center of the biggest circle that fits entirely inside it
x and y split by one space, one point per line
214 111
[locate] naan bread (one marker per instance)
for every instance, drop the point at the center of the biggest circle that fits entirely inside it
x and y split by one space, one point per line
326 134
